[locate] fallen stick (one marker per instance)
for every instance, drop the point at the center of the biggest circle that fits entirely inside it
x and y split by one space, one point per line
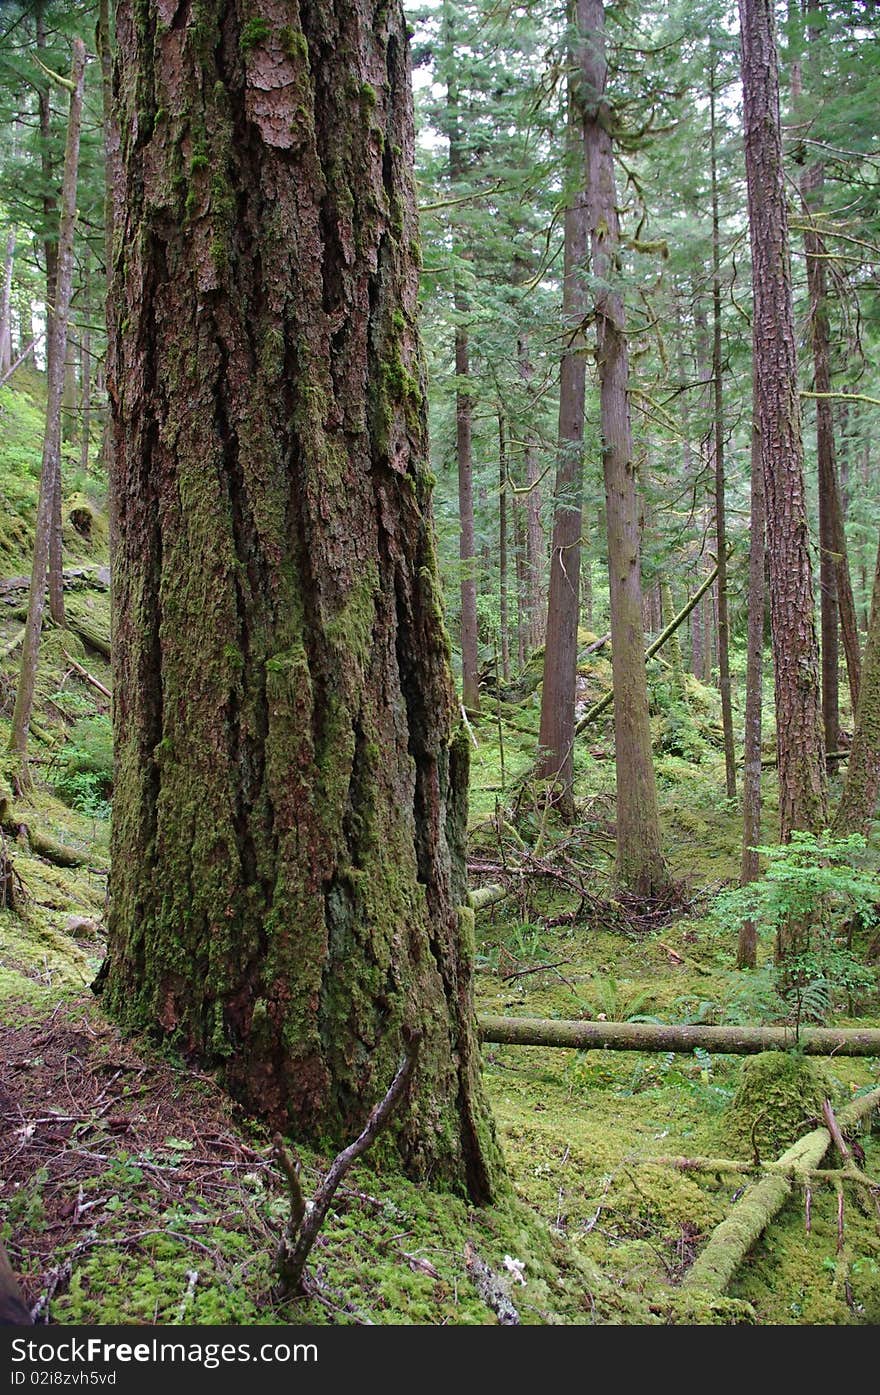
307 1217
731 1241
661 1036
88 677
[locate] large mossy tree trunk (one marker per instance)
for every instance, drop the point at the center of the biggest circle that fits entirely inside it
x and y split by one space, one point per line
290 797
801 749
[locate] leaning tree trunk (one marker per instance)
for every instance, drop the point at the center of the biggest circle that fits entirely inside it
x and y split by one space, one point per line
50 469
290 801
640 865
556 737
802 786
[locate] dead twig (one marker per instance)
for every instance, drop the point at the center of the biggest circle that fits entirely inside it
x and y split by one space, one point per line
307 1217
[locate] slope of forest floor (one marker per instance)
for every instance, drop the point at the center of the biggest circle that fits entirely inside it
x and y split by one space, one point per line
133 1191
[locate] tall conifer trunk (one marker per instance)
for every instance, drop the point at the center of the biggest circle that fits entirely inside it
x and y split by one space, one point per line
290 800
640 865
801 749
556 737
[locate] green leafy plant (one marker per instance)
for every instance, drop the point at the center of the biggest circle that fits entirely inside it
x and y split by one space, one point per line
85 778
820 884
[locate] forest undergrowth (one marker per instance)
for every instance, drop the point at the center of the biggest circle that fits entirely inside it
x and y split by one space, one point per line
133 1191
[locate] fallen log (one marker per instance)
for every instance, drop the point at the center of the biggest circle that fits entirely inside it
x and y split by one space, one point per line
90 634
731 1241
483 896
42 843
660 1036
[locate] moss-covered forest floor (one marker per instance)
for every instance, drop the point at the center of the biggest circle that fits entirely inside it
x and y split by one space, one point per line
133 1191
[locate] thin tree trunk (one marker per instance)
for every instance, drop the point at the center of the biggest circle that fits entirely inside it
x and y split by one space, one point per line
802 780
858 801
470 683
69 395
667 615
6 305
52 255
534 528
502 548
718 427
86 376
519 552
836 596
49 473
112 218
56 548
556 739
747 948
640 864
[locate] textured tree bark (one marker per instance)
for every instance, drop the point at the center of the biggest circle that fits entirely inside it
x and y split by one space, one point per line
802 785
112 207
290 799
747 946
718 429
50 468
556 736
640 865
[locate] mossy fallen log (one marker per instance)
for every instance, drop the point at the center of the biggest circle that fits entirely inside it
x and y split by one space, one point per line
42 843
731 1241
90 634
656 1036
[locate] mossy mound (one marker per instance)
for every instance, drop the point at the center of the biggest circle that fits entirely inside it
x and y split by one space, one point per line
86 528
779 1097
